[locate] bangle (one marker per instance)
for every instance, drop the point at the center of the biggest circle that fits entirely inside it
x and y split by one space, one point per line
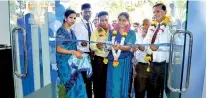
131 50
72 52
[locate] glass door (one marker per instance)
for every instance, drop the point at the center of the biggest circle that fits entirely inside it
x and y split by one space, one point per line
176 82
33 24
178 70
33 45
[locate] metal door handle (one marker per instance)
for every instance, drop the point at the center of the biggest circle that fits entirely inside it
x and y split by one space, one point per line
189 62
18 74
4 46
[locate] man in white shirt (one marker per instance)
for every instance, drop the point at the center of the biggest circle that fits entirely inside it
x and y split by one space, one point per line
159 54
141 74
145 26
136 27
82 30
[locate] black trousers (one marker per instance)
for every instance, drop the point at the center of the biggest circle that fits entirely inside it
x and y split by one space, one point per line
141 80
99 77
88 84
88 81
156 80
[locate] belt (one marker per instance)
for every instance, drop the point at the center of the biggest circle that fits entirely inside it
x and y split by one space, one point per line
159 62
87 52
142 63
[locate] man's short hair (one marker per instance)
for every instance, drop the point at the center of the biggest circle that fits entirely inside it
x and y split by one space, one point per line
136 23
102 13
162 5
145 20
85 6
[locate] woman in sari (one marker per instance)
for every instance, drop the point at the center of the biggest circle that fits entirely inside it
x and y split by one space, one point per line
120 65
73 83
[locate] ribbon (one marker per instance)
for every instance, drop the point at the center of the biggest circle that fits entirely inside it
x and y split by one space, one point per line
109 43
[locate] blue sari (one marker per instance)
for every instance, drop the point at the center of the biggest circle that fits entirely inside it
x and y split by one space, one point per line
73 83
118 78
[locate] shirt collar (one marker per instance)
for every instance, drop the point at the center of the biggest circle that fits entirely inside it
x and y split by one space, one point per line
82 19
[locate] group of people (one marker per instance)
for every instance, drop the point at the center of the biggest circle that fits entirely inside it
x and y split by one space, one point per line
113 64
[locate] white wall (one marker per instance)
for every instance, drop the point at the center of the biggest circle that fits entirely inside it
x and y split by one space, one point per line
4 23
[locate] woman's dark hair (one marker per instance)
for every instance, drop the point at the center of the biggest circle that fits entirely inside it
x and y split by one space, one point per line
68 13
136 23
125 14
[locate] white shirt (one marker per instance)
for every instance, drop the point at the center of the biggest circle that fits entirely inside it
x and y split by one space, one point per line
139 55
81 33
162 54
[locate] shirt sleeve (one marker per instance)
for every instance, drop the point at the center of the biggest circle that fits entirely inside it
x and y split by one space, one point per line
131 38
77 33
93 38
60 37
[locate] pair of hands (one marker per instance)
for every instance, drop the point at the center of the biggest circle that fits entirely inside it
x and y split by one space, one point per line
116 47
135 48
142 48
84 44
154 48
101 46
